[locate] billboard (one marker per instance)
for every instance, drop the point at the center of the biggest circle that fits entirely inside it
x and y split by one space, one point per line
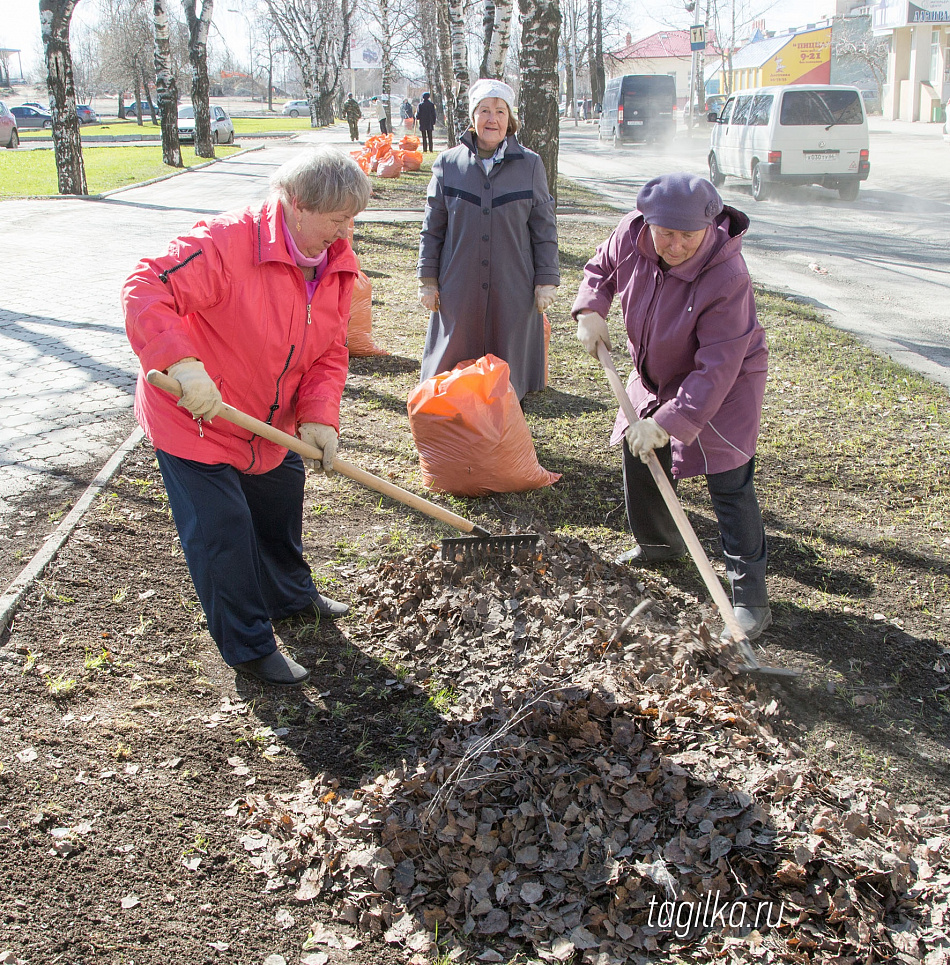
365 53
889 14
805 59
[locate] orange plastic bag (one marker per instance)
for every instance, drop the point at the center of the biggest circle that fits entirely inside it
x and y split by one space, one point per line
409 142
390 166
359 335
363 160
471 434
411 160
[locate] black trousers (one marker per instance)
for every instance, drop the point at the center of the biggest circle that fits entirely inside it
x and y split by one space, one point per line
741 532
426 138
384 125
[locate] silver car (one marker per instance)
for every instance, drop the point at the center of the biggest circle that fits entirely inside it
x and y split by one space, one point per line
296 109
222 130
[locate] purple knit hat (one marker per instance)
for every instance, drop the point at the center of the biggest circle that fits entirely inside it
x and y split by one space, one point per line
680 202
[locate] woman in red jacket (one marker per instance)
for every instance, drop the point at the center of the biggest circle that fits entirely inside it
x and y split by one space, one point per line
700 364
252 306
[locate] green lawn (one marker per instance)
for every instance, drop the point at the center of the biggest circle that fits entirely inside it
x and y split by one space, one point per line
33 173
245 126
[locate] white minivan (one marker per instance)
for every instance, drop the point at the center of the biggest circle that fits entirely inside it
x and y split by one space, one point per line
799 134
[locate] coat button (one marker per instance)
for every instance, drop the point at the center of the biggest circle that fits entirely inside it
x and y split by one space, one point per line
485 263
488 186
484 284
485 211
484 237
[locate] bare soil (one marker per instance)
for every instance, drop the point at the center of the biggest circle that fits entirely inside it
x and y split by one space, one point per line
130 752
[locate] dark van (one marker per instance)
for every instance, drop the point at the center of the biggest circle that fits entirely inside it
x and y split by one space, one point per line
637 108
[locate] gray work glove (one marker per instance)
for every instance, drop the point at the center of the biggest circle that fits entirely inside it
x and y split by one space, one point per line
544 296
199 394
429 294
591 329
645 436
320 437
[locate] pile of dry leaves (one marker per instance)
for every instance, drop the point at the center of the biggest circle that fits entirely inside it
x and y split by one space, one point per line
605 790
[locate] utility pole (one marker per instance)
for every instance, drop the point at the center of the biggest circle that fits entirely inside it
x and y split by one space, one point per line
250 47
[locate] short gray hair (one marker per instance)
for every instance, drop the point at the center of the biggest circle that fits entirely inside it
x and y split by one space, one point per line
323 179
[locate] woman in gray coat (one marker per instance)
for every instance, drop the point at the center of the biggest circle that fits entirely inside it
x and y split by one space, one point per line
488 261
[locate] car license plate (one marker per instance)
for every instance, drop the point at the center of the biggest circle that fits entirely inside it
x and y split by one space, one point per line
820 155
632 123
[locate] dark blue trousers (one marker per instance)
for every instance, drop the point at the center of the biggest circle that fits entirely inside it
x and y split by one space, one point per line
741 532
242 539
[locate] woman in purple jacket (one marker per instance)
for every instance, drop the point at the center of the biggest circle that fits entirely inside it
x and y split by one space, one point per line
700 364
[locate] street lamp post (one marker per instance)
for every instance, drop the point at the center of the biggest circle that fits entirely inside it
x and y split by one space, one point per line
250 47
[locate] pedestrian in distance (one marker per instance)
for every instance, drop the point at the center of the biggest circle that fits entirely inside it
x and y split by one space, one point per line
488 258
380 104
425 115
352 113
251 306
700 364
407 114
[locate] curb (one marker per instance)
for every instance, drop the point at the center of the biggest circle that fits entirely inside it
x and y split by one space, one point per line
15 592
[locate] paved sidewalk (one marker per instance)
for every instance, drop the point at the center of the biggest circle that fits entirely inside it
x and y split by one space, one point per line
67 374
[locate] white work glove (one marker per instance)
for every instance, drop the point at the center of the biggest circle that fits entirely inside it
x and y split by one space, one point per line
645 436
429 294
199 394
544 296
591 329
320 437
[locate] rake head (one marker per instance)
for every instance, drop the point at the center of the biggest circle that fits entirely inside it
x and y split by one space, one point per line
476 549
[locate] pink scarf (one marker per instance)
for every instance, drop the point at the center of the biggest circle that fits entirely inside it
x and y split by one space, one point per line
302 261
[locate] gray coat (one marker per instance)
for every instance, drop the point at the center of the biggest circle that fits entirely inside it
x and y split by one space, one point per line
488 240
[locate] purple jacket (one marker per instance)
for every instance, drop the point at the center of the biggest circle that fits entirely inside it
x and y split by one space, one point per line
699 353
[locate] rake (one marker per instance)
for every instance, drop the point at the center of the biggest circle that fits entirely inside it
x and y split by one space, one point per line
475 548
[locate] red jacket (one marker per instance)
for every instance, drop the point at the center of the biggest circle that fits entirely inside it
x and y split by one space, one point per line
230 294
699 353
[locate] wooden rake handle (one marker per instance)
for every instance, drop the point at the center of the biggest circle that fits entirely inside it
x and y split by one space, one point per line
344 468
683 524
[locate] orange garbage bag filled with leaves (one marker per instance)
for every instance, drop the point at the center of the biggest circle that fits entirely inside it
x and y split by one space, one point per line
471 434
409 143
359 334
390 166
411 160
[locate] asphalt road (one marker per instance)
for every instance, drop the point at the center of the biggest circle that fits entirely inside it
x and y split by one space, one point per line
879 266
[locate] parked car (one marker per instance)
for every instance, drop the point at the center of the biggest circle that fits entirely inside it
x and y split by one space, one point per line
796 134
86 114
32 117
714 103
130 111
9 137
222 130
872 101
296 108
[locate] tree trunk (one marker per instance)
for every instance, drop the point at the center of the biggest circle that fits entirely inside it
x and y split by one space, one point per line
55 16
501 35
488 28
595 50
540 38
445 72
198 25
459 64
167 88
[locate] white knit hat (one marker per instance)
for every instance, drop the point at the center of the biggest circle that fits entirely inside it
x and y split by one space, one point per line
486 87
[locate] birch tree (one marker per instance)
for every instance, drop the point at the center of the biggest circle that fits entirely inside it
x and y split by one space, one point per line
316 33
459 48
540 37
167 87
595 50
55 16
449 104
496 36
198 25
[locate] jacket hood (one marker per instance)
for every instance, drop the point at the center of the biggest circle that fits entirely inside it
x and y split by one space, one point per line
721 244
